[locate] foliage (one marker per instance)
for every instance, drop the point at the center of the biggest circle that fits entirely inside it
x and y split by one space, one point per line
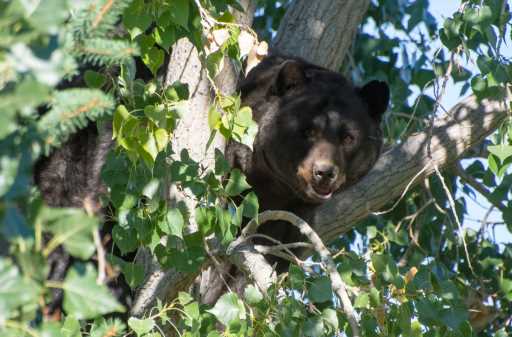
412 271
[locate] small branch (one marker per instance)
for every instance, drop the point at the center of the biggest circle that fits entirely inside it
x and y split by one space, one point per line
338 285
91 208
454 211
100 254
471 181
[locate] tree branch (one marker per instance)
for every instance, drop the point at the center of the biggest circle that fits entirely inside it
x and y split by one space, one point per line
466 124
338 285
192 134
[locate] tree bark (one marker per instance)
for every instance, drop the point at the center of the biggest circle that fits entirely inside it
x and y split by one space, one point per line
192 134
321 32
465 125
468 123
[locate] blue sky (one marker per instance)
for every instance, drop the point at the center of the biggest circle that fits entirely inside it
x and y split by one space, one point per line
442 9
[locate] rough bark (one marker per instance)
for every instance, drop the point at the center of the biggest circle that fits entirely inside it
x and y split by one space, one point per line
322 32
465 125
192 133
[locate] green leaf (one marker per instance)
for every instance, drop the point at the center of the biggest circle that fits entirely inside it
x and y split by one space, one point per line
188 259
136 19
214 118
179 12
330 318
162 139
71 327
492 160
477 15
83 297
506 288
173 223
94 79
190 307
501 151
146 42
478 84
244 116
228 309
49 14
165 37
133 272
177 93
320 290
250 205
236 184
16 291
385 267
252 295
153 59
362 300
141 326
486 64
147 149
125 239
214 63
72 228
453 316
296 277
121 114
221 164
205 217
404 318
314 326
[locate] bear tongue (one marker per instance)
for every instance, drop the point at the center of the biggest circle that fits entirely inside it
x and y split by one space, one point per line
323 190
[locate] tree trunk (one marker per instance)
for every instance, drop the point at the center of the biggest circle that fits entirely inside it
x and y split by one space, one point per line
192 134
321 32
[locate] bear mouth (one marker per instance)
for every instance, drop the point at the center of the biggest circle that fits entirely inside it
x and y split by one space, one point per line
323 192
320 193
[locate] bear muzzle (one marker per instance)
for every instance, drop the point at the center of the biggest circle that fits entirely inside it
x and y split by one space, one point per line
326 179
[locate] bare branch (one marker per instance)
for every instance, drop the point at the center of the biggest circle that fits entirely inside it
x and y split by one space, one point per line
338 285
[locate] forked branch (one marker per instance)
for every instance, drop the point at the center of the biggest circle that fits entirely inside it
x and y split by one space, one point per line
337 283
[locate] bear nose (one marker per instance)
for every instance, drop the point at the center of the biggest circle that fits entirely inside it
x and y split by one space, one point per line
324 171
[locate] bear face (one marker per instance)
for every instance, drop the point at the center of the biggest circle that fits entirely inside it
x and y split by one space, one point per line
317 134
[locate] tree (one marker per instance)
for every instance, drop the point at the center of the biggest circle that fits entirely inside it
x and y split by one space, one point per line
398 260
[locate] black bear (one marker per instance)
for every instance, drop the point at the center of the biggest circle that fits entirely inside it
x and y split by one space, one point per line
317 134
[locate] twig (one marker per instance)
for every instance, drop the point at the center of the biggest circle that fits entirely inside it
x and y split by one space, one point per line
100 254
278 243
437 103
337 283
406 189
454 211
217 265
90 207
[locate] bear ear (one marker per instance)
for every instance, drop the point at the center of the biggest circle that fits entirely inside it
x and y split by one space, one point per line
376 95
291 76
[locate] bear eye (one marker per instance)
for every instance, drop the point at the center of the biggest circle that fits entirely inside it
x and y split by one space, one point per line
348 140
308 133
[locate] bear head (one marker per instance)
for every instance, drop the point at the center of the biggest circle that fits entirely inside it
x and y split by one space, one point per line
318 134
